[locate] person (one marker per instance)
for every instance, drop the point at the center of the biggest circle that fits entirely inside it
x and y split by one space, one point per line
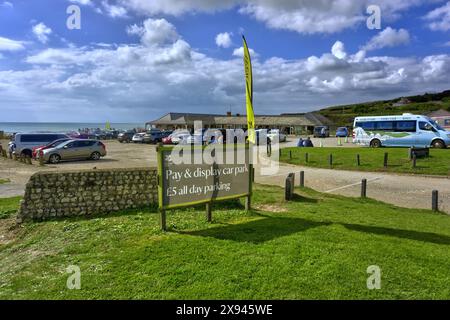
322 132
300 142
308 143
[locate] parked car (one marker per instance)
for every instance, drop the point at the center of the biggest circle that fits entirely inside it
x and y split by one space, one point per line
152 136
342 132
74 150
23 143
321 132
126 136
275 132
177 136
138 137
36 150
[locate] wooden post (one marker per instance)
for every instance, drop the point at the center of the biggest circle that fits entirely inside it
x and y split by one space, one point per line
41 161
302 179
414 160
253 174
358 160
435 200
208 212
29 160
248 203
290 154
364 188
306 157
330 159
289 186
385 162
162 219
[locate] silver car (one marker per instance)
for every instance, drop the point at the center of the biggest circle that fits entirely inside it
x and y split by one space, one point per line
75 150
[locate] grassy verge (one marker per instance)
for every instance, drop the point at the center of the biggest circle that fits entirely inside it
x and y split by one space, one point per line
316 247
370 159
2 181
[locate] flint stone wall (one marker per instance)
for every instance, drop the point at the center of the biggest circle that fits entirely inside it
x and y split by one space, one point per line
81 193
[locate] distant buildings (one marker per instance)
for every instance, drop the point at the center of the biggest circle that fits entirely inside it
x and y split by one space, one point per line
442 117
402 102
287 123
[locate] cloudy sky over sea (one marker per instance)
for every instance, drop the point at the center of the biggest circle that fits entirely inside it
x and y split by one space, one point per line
135 60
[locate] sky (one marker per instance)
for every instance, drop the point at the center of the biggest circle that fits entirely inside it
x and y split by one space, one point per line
135 60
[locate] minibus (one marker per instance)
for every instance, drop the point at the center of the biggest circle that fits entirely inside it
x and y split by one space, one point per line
407 130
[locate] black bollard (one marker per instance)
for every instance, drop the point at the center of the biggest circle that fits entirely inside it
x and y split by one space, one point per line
306 157
364 188
385 162
358 160
330 160
435 200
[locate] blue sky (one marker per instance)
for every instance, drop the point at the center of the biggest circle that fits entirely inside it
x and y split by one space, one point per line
136 60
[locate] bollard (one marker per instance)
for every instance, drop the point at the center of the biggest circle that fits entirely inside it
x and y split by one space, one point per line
364 188
253 174
330 160
302 179
435 200
358 160
306 157
289 186
385 162
290 154
414 160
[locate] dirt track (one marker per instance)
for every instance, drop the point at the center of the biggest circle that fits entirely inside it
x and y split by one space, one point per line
402 190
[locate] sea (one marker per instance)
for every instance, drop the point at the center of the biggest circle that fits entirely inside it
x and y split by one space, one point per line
61 127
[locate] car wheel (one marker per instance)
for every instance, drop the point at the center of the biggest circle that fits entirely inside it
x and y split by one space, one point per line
438 144
375 143
54 158
95 156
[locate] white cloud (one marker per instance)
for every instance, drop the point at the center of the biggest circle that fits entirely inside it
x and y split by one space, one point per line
239 52
11 45
82 2
41 31
114 11
305 16
388 38
164 73
154 31
439 18
338 50
224 40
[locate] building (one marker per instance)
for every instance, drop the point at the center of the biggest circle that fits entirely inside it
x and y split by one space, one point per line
442 117
286 123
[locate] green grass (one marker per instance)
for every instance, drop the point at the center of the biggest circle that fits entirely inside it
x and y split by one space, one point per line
370 159
315 247
2 181
8 207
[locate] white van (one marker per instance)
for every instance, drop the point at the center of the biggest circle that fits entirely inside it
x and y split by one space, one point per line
23 143
407 130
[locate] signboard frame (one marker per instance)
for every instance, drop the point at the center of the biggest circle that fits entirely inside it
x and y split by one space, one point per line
160 149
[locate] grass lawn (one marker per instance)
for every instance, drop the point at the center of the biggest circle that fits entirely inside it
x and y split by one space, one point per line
370 159
316 247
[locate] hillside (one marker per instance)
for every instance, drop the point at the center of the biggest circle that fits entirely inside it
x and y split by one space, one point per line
420 104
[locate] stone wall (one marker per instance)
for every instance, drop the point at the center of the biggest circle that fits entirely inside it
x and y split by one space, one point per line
81 193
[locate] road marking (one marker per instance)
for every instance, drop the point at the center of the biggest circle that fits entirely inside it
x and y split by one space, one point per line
352 185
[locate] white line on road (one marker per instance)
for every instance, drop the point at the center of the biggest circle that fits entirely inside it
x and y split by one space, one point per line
352 185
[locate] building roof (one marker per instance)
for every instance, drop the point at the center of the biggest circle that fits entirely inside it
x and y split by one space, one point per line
439 113
308 119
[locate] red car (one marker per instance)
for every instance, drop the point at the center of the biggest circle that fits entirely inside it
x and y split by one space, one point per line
167 140
53 144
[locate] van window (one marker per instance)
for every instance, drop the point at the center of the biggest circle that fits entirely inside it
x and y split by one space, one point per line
385 125
406 126
370 125
425 126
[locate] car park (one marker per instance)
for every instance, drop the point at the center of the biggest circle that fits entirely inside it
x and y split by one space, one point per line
74 150
23 143
138 137
273 134
152 136
176 137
